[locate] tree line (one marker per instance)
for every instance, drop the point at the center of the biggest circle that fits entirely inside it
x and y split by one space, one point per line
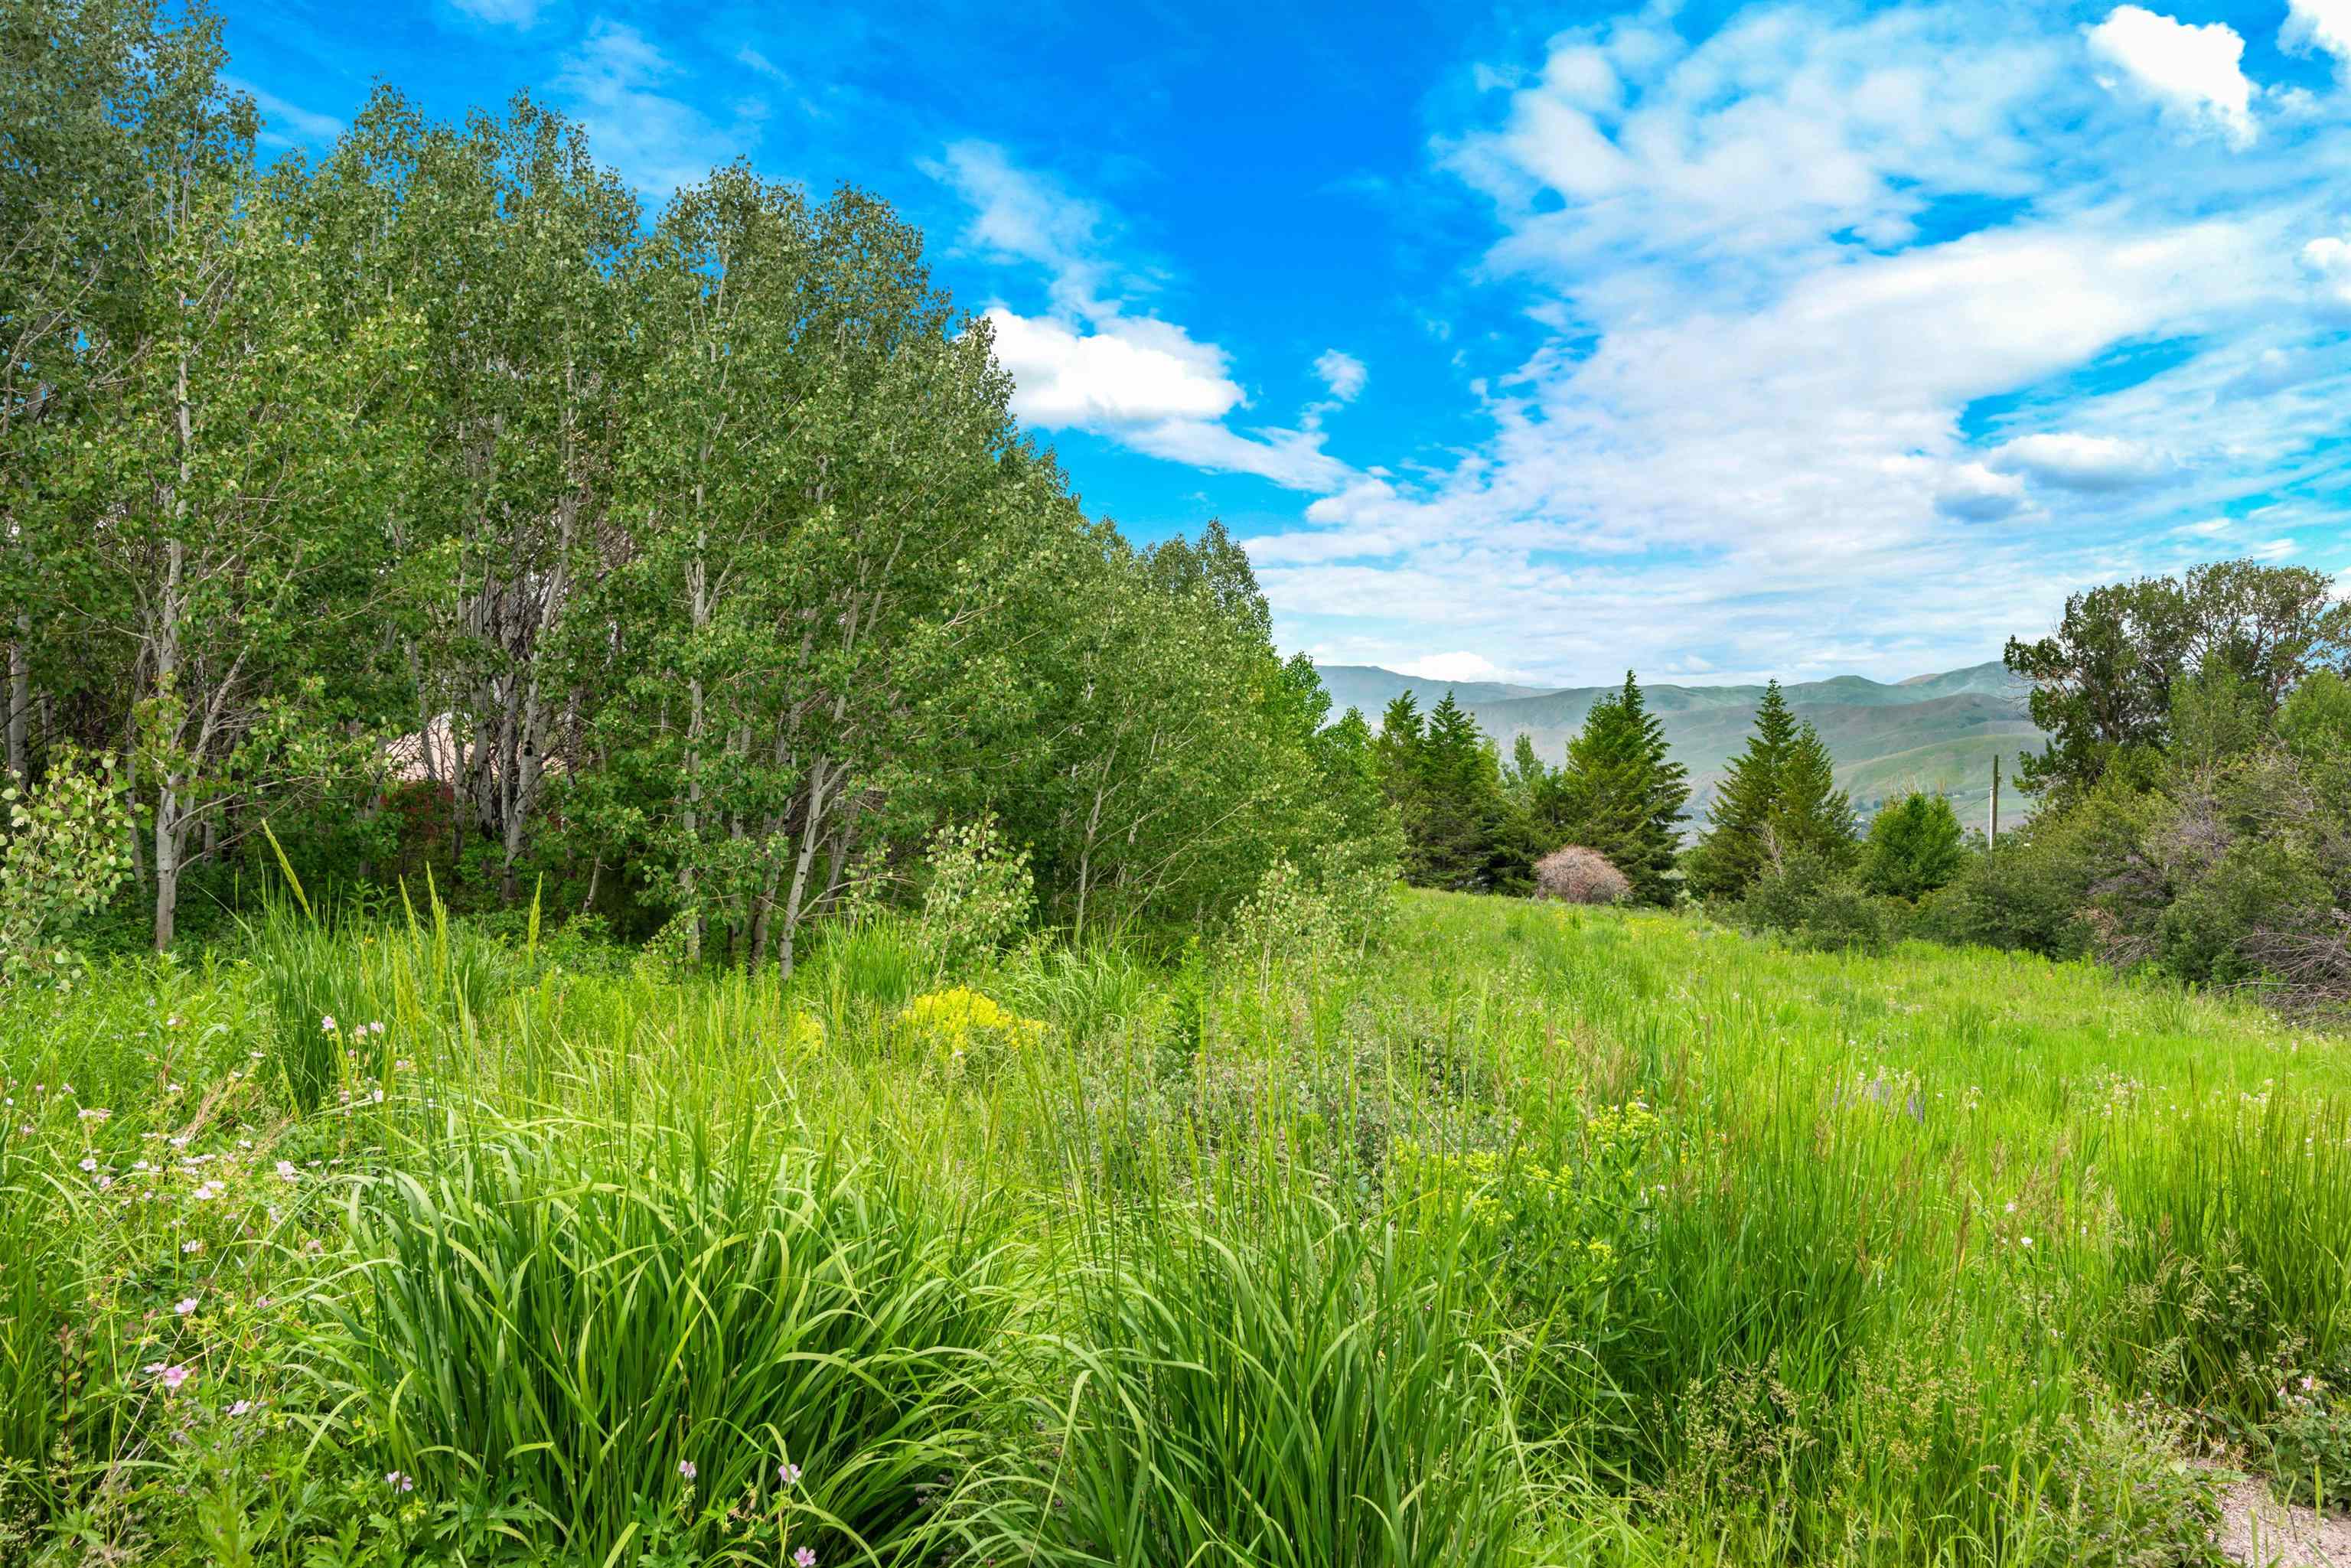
435 507
2190 811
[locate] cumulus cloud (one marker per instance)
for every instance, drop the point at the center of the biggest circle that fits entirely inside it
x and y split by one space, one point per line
2328 262
2192 71
2315 26
1976 494
1343 374
1786 267
1090 363
1129 372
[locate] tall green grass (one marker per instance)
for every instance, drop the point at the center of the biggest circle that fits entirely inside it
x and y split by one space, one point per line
1529 1235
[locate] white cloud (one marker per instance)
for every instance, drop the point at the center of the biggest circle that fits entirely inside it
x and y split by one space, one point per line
1454 667
1131 372
1785 270
2076 461
2314 25
1343 374
1020 215
2193 71
516 13
657 142
1978 494
2328 261
1090 364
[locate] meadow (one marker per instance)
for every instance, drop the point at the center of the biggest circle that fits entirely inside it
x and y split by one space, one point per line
1516 1235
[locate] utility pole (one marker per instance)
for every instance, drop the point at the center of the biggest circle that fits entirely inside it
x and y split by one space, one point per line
1993 842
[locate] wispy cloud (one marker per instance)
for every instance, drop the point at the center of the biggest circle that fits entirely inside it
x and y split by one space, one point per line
611 83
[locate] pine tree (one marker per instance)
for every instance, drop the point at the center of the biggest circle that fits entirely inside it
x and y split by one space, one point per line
1462 823
1812 816
1399 755
1621 794
1736 847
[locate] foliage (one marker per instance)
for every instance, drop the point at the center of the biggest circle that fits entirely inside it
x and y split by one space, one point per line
2306 1447
63 858
2103 680
1778 802
1621 794
1810 897
687 570
1574 875
979 895
1913 847
1538 1233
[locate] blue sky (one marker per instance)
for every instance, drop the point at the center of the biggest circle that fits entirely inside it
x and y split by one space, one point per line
1714 340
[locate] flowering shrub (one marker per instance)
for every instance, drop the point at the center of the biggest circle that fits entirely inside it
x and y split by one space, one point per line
968 1026
2309 1443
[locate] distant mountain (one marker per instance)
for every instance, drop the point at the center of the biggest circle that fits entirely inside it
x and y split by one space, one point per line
1936 732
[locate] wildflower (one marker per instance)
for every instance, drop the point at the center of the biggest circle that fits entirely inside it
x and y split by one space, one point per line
804 1558
2024 1240
376 1026
88 1164
170 1376
192 1245
184 1305
393 1478
286 1171
92 1113
327 1026
241 1407
2308 1383
788 1474
686 1469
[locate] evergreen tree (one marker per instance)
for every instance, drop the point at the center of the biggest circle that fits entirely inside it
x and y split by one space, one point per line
1461 826
1736 847
1812 815
1621 794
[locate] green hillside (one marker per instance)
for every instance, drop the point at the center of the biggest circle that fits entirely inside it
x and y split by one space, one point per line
1937 732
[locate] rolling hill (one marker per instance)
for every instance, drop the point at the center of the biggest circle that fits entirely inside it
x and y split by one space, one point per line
1936 732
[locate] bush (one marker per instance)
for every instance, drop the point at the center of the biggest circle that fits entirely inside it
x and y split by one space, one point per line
2308 1445
1579 875
1915 847
64 857
1806 897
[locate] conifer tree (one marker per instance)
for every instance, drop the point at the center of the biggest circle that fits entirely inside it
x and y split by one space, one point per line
1736 847
1812 816
1463 809
1621 794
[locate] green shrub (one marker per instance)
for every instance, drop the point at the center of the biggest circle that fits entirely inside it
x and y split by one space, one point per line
1806 897
2306 1447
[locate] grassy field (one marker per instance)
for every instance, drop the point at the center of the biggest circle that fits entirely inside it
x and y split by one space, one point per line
1527 1236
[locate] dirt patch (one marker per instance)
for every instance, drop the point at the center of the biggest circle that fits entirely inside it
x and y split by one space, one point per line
2262 1532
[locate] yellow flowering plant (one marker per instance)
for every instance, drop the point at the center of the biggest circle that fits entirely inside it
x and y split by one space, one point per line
969 1028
